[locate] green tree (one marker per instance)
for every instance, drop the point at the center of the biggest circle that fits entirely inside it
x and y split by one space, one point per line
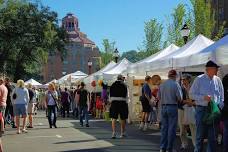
28 33
109 47
203 18
153 35
107 51
132 56
177 19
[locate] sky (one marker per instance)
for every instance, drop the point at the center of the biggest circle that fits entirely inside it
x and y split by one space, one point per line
121 21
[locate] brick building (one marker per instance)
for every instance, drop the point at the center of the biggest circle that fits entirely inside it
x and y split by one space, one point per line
79 51
221 13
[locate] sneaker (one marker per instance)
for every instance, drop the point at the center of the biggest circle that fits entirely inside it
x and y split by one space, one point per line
87 125
123 135
18 132
30 127
14 126
145 127
141 126
55 125
24 130
114 135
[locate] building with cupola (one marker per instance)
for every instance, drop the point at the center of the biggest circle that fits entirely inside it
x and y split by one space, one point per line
80 50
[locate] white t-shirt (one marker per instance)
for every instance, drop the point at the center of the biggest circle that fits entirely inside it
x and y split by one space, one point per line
51 101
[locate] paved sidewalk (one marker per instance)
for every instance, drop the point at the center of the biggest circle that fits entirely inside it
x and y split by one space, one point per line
70 137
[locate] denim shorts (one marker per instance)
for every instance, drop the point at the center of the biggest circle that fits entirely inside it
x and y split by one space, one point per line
20 109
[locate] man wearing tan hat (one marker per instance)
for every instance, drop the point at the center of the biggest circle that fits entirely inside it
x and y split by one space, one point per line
205 88
169 95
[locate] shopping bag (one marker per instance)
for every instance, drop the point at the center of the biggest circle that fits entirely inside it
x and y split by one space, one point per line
212 113
189 115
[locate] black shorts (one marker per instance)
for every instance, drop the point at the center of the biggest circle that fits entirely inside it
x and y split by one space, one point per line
119 108
145 106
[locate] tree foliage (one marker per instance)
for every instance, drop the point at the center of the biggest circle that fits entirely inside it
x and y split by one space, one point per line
28 33
153 34
109 47
178 17
132 56
107 51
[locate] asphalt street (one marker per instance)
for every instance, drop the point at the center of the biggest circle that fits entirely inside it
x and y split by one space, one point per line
70 137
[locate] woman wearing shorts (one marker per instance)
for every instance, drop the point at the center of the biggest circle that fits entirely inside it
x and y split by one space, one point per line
145 100
20 100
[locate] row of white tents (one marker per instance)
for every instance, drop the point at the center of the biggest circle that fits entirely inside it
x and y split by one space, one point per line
190 57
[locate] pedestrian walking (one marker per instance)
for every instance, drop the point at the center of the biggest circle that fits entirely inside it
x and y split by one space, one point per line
145 101
186 113
3 97
76 101
65 101
51 104
31 105
169 94
20 97
205 88
119 106
9 115
83 104
225 114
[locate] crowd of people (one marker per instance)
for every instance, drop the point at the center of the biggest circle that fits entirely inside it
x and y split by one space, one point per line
198 107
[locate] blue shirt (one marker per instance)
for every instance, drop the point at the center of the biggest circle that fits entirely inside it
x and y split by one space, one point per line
170 92
146 90
203 86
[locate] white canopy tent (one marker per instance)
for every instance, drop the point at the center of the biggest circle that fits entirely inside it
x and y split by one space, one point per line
77 75
192 47
72 77
95 76
137 69
217 52
33 82
52 81
116 70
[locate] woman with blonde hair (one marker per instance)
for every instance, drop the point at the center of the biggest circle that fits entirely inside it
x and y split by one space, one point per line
20 98
51 104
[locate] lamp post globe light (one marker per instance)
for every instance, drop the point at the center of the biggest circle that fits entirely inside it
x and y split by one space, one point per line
90 63
116 55
185 31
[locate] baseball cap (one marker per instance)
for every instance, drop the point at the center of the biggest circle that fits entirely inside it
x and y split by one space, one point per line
172 73
212 64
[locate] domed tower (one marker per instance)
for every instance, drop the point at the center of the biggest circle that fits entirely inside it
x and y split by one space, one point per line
80 50
70 22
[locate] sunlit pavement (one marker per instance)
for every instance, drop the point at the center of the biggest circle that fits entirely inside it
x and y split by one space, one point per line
70 137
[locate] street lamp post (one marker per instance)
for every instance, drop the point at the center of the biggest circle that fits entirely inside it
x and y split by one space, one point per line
116 55
185 31
90 63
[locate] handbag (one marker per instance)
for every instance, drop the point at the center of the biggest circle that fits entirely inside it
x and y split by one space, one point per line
212 113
